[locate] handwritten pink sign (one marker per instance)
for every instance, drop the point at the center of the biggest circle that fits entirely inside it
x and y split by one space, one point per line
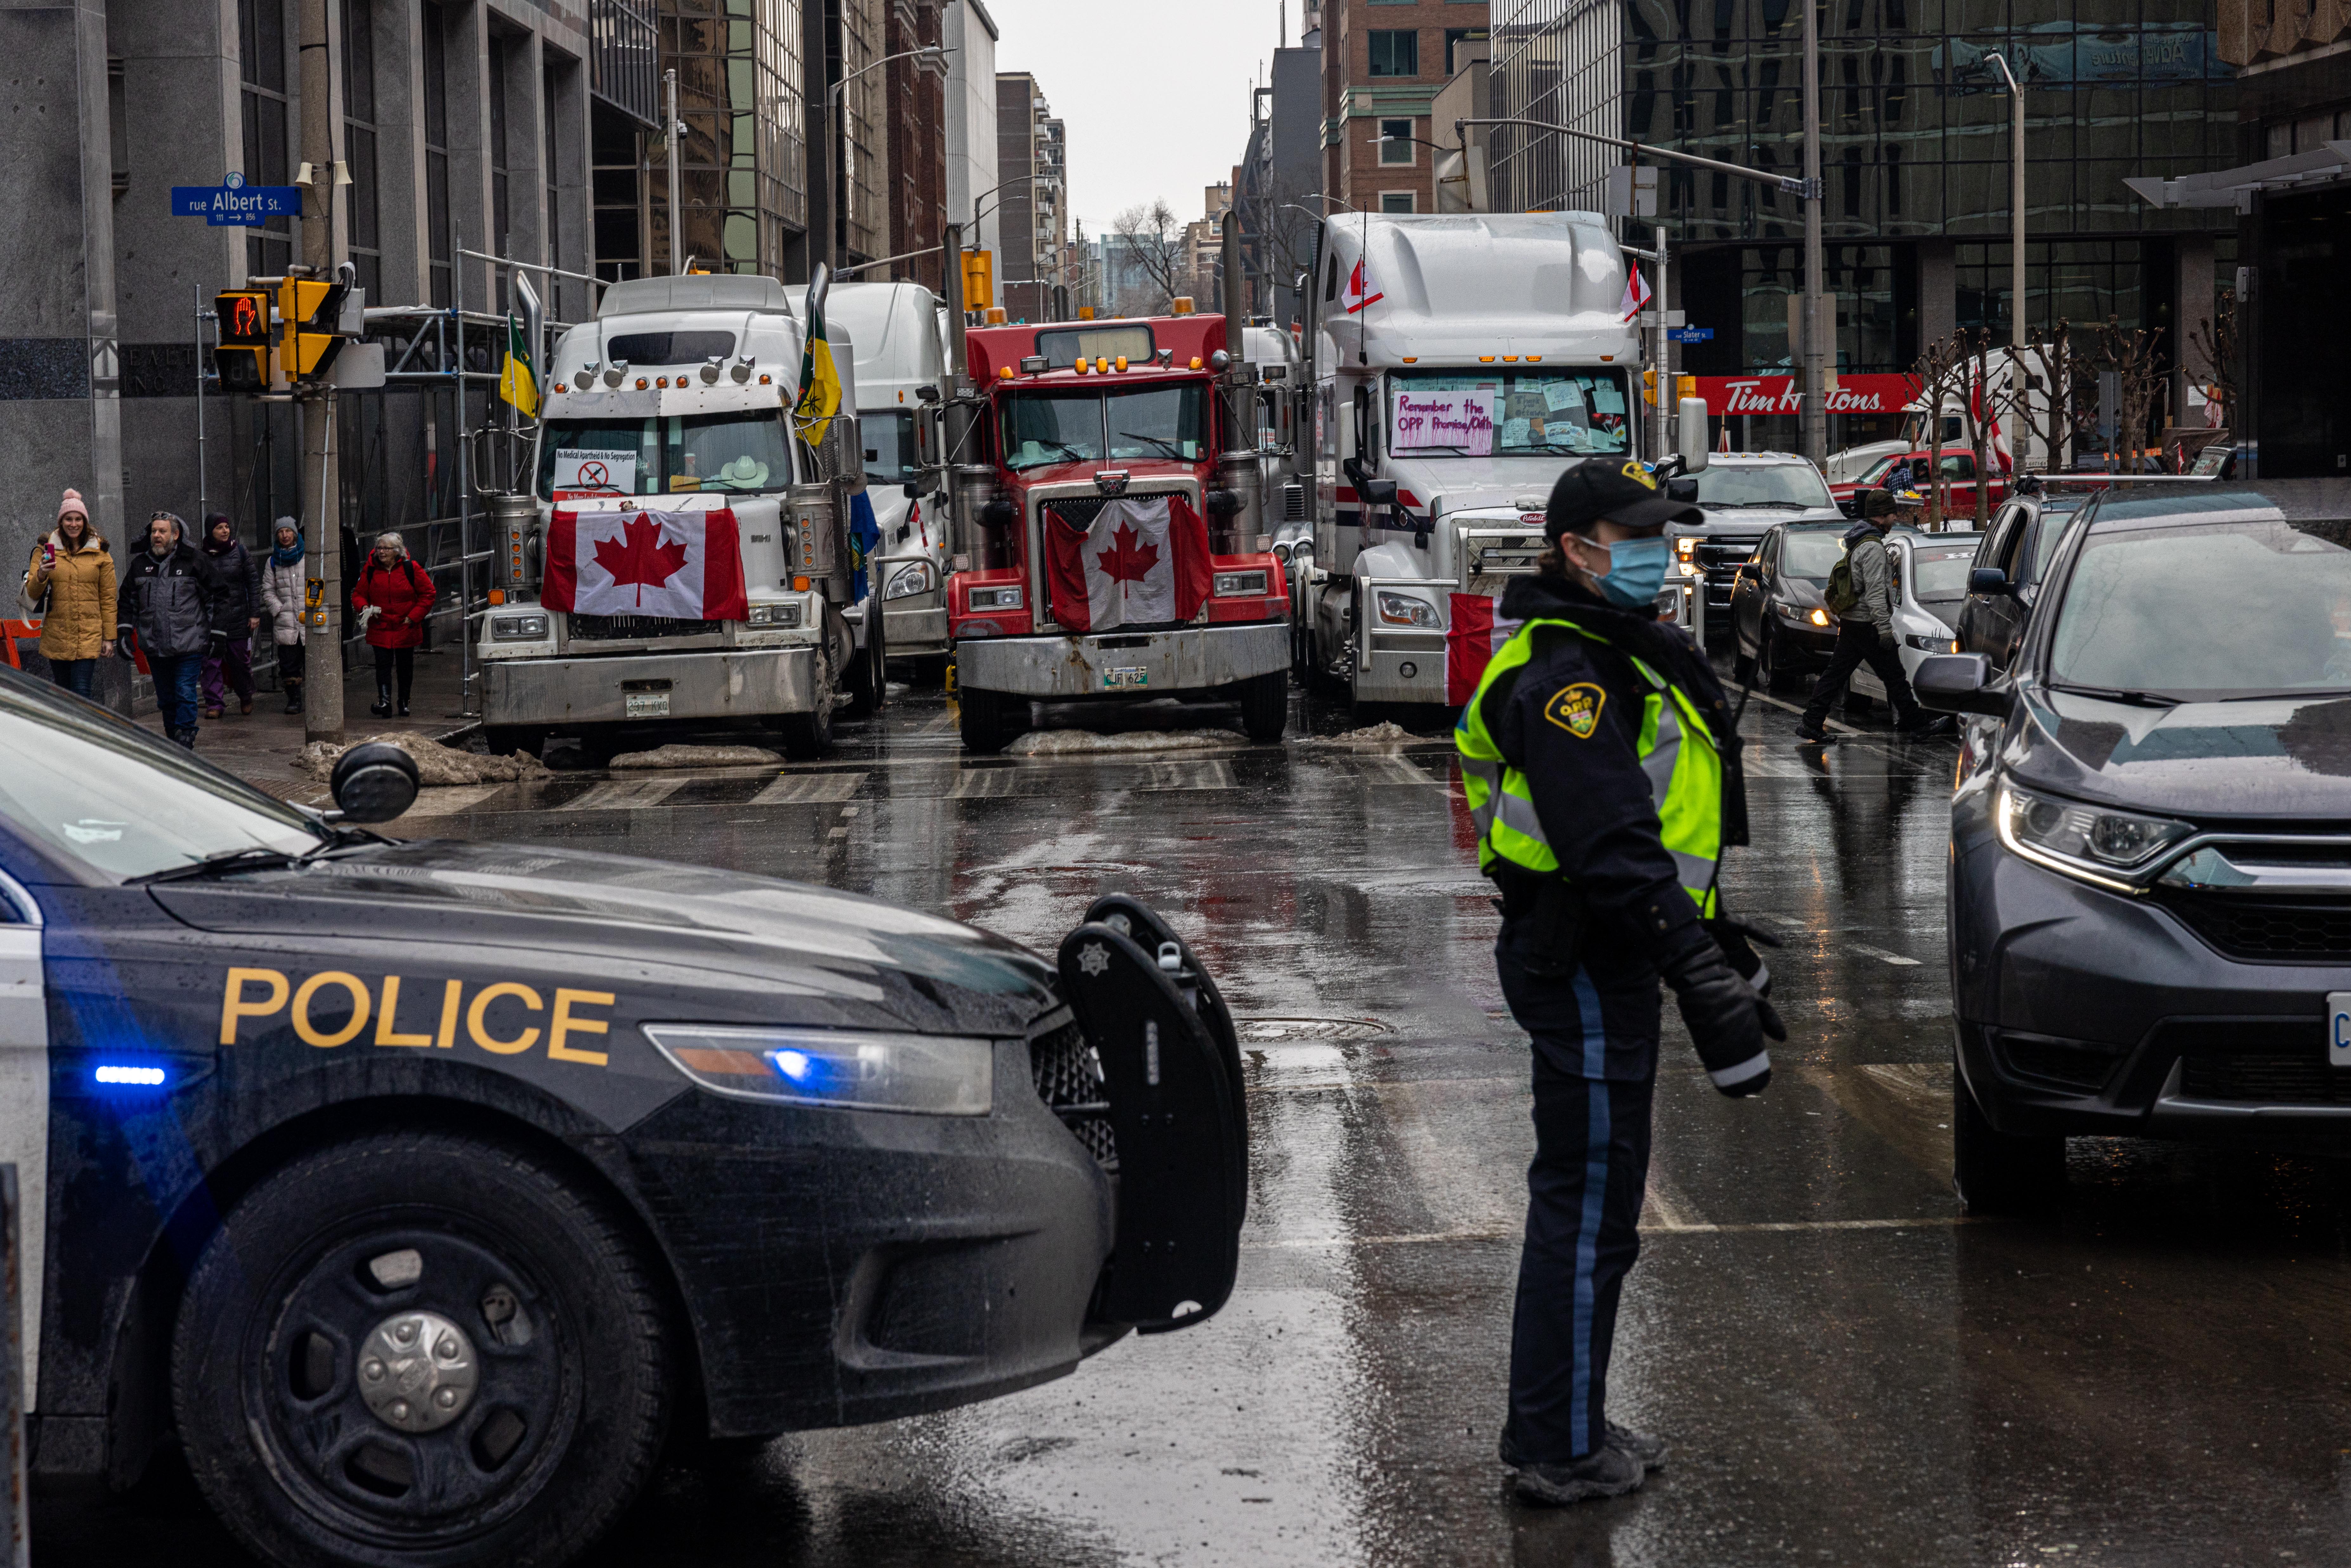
1462 421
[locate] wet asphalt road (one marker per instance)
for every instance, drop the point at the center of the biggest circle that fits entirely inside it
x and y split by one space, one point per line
1849 1372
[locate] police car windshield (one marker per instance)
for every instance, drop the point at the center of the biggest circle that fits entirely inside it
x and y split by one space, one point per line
1791 484
2210 611
88 789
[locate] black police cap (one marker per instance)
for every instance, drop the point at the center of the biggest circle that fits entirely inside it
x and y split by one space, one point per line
1620 489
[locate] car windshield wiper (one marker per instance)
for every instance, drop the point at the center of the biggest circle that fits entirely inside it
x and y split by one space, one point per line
1173 450
251 857
2117 694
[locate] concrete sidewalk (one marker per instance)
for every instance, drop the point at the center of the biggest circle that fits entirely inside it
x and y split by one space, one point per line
261 747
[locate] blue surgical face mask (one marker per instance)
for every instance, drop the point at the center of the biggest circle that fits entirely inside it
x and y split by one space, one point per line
1637 572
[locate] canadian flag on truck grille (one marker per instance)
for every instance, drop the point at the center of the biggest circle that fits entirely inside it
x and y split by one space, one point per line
1142 561
1471 640
685 565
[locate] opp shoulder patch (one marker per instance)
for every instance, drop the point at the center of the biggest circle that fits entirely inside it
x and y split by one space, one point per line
1576 708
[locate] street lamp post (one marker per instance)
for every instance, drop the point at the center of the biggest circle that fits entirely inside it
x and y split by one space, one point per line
1818 340
931 54
2015 205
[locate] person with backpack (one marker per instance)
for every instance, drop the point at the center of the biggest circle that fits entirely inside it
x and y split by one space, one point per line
70 585
391 599
1861 594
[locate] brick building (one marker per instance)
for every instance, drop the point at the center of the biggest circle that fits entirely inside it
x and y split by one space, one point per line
1383 62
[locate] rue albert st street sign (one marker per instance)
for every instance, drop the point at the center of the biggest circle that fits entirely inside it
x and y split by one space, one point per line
233 202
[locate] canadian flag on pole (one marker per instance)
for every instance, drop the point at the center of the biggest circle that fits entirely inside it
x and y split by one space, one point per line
1637 293
1360 290
1143 560
1475 635
685 565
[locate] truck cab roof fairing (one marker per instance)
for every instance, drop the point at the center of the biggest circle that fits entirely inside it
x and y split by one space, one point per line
1455 287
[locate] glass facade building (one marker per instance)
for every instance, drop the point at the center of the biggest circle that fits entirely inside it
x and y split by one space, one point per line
1915 137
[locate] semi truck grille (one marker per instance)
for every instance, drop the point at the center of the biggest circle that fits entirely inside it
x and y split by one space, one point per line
1070 1081
1293 502
2272 930
636 628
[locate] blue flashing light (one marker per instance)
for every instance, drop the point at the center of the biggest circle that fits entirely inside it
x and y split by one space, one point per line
796 1065
118 1076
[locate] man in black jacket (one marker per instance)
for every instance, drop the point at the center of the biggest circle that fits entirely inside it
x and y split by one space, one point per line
1866 632
169 597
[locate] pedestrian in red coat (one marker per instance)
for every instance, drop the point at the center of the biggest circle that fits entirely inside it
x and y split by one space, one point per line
391 598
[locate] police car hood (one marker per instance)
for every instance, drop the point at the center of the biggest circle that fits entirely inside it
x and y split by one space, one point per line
2277 759
763 948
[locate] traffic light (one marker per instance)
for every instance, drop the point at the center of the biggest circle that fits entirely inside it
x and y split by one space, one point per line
311 311
1649 388
978 279
242 356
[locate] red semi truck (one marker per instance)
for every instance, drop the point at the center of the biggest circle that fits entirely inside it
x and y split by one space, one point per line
1111 533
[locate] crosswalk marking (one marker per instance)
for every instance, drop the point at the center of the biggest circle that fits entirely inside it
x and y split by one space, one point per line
988 784
632 795
809 789
1881 955
1395 770
448 802
1747 1228
1164 776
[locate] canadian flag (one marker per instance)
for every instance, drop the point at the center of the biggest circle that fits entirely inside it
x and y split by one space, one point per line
1637 293
1143 560
1360 290
685 565
1472 639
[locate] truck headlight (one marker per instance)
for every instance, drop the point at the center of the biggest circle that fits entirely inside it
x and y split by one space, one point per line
849 1070
1005 597
517 628
909 580
783 616
1403 609
1239 584
2094 843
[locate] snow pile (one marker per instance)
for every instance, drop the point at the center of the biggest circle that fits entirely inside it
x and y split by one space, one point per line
1065 742
436 764
675 756
1387 732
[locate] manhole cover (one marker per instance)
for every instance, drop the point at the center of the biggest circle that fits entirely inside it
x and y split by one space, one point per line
1276 1031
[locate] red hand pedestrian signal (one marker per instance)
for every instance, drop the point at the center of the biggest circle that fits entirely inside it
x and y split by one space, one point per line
242 356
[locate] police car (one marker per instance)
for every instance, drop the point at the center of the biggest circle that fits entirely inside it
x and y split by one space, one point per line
424 1190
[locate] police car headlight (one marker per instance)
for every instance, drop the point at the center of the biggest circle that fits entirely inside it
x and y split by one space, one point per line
1403 609
780 616
2091 842
909 580
517 628
927 1074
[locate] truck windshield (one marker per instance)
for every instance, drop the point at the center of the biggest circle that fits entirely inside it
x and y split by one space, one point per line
739 452
1507 412
1162 422
890 455
1792 485
2208 611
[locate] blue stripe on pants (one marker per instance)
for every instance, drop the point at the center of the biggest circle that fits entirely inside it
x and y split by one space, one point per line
1595 1195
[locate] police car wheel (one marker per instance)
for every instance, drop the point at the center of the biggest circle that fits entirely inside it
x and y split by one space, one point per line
419 1348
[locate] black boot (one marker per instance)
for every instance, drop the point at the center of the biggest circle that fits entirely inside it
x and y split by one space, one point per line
293 696
403 707
382 707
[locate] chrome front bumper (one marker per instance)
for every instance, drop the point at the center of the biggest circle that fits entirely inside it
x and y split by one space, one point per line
618 688
1115 664
916 630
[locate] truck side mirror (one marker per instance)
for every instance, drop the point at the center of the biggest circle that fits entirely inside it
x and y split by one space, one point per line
1959 682
1377 492
1692 443
1681 489
910 489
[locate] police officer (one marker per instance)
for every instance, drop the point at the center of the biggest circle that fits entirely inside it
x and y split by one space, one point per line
1600 759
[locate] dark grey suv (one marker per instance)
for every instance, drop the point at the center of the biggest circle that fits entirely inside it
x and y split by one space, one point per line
2150 890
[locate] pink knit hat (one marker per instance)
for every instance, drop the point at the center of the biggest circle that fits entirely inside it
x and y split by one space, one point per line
72 503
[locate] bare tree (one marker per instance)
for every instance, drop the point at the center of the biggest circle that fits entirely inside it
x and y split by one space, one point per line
1942 372
2050 419
1989 396
2128 355
1154 241
2215 337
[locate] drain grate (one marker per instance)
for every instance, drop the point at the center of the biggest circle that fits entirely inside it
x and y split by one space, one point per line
1278 1032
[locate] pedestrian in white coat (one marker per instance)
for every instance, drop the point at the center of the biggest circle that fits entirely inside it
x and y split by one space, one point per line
284 589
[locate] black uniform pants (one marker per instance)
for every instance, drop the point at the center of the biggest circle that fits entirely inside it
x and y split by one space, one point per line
1595 1056
1859 642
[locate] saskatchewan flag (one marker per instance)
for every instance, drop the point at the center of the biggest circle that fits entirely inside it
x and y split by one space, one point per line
820 382
517 384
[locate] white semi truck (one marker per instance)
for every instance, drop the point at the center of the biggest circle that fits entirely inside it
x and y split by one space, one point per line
680 558
901 377
1460 363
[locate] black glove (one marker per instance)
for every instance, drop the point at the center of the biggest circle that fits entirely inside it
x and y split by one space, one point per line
126 645
220 644
1739 941
1726 1019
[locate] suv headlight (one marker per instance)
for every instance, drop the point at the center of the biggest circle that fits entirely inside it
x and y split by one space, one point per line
1403 609
1236 584
781 617
909 580
2096 843
849 1070
517 628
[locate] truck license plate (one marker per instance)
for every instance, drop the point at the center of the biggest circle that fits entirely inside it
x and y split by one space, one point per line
648 705
1132 675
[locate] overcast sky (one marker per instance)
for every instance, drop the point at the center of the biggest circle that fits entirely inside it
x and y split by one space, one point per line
1155 98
